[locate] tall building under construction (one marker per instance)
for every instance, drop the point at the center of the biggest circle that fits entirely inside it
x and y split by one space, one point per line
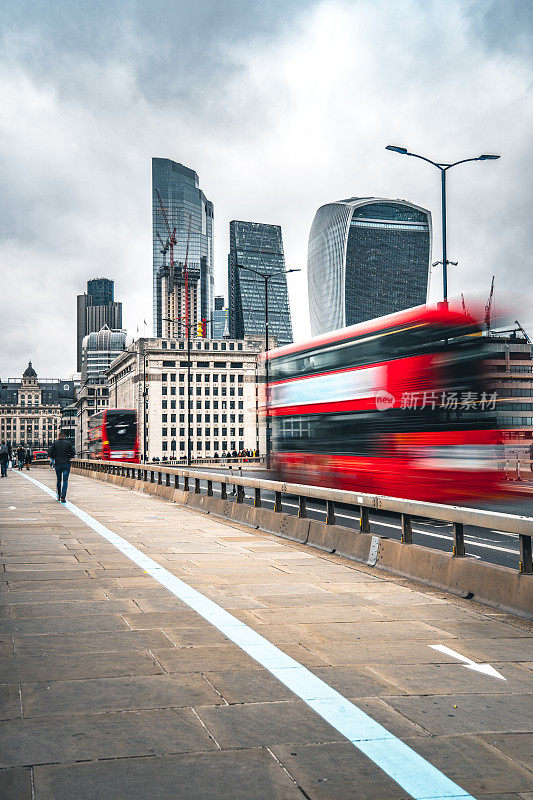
182 221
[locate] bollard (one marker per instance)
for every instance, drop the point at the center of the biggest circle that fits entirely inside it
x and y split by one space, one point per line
364 521
458 540
525 564
407 530
302 507
257 498
330 512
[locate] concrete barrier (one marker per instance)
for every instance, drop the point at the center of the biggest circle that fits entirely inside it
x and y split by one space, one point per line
490 584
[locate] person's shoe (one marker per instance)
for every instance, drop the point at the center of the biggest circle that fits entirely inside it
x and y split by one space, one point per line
63 501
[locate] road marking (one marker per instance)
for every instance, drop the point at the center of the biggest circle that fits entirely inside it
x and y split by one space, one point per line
413 773
469 664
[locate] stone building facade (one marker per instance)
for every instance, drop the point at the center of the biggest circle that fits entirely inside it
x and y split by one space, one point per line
31 409
224 395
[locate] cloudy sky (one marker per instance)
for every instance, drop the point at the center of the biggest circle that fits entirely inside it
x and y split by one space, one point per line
280 107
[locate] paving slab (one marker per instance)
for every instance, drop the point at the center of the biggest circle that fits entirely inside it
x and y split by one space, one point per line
475 713
518 746
120 689
229 775
96 736
16 784
116 694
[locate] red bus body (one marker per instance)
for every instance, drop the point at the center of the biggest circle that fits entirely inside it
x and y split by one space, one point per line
113 435
339 409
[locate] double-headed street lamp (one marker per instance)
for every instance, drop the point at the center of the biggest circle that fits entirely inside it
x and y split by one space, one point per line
266 277
443 170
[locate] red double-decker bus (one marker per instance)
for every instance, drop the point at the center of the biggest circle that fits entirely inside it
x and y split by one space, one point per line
113 435
393 406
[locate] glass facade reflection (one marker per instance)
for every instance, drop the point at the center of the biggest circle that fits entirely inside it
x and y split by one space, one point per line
259 246
367 257
182 200
220 319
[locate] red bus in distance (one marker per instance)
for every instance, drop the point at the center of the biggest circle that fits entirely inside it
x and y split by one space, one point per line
394 406
113 435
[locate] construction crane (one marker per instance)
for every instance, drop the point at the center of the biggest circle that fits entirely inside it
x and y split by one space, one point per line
164 248
186 276
172 240
526 337
488 307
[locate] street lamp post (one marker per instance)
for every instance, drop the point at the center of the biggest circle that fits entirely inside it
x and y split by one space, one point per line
443 167
266 277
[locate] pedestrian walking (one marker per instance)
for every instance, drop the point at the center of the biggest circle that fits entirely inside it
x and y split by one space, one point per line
4 458
28 457
20 456
62 451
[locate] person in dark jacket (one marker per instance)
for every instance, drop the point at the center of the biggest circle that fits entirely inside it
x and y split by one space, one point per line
28 457
4 458
20 456
62 451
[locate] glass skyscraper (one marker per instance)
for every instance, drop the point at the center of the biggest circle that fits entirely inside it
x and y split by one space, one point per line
367 257
220 319
182 200
259 246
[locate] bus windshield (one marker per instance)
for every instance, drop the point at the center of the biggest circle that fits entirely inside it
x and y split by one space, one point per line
121 429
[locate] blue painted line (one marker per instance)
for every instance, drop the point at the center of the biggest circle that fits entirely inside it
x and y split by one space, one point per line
413 773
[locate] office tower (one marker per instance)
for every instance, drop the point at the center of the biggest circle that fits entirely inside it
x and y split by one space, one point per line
220 324
259 246
367 257
178 201
95 309
101 291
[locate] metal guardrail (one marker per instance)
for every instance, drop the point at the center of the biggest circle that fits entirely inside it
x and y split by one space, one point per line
179 478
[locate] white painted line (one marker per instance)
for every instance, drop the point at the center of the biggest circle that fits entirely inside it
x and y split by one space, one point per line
413 773
469 664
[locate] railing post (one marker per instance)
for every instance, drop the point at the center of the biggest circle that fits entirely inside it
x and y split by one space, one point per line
240 494
176 481
525 565
186 483
167 479
458 540
277 502
159 478
210 488
197 486
223 490
302 507
364 520
407 529
330 512
257 498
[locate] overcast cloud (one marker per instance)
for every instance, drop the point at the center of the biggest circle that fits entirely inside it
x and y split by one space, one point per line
280 107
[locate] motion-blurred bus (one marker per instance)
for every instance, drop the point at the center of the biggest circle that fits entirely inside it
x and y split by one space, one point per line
393 406
113 435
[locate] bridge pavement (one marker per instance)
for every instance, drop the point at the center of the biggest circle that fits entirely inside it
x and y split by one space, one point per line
112 687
